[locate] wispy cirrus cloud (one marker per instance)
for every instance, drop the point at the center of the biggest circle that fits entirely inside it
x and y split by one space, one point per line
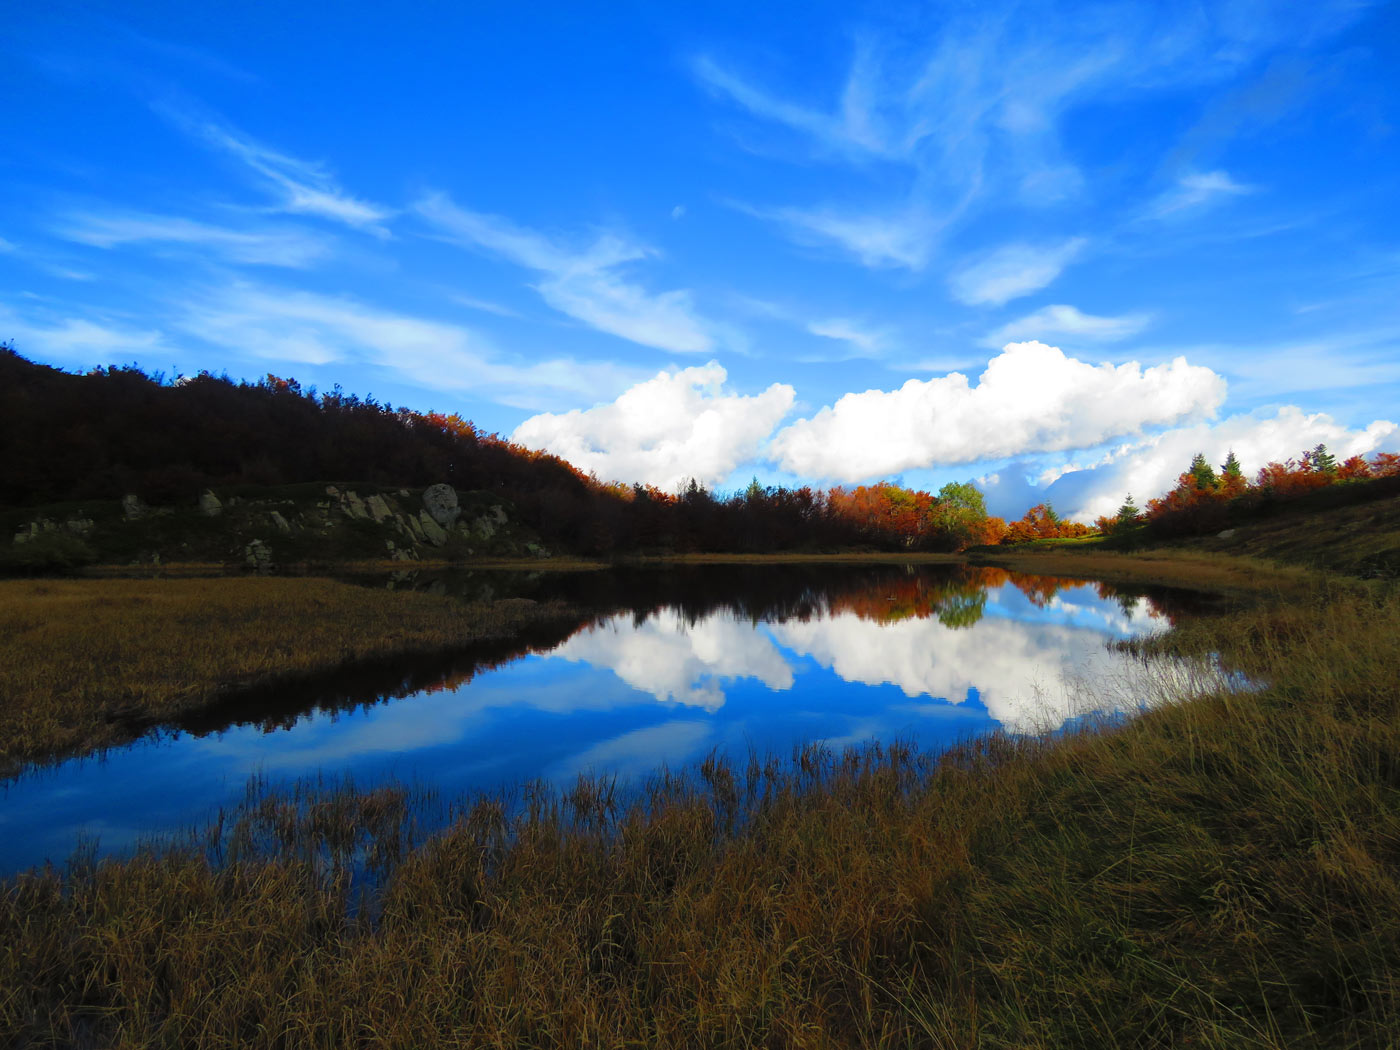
587 284
968 107
902 238
266 246
1012 271
848 129
296 326
1195 191
1057 321
77 338
304 187
862 339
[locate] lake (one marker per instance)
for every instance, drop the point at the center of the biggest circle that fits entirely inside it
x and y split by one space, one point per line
665 666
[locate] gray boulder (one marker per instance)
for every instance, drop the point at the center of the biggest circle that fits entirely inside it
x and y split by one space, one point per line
209 505
283 525
440 501
133 507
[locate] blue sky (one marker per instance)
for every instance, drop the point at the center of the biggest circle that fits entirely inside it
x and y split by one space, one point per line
1055 248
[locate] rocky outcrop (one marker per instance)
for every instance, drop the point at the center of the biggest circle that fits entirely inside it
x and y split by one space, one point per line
435 533
305 527
440 502
378 508
47 526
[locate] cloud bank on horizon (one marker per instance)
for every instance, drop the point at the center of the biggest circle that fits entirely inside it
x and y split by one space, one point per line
1052 248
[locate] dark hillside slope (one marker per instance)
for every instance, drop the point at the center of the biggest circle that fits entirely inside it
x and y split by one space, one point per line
1361 540
116 430
67 440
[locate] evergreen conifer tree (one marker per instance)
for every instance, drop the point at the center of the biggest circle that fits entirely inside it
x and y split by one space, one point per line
1322 460
1201 473
1128 513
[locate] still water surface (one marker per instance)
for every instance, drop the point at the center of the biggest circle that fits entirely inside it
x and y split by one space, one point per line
664 667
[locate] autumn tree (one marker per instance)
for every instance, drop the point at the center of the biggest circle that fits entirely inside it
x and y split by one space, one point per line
959 517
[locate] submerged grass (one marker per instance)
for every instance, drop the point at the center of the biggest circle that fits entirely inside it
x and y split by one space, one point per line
1223 872
86 663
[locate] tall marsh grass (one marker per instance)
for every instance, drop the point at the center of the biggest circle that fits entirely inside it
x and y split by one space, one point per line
1223 872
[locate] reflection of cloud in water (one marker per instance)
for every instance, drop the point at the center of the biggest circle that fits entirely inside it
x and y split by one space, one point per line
396 729
424 721
638 752
1137 618
1028 675
675 661
1026 670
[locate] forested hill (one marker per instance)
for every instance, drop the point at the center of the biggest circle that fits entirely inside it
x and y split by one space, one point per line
114 431
117 431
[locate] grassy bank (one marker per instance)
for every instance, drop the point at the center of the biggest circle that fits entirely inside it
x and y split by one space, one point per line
1183 567
86 663
1220 873
1361 541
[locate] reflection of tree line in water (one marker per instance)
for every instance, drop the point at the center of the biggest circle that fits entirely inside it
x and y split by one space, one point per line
955 595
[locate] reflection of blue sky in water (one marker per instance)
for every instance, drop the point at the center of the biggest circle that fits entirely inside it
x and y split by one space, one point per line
620 697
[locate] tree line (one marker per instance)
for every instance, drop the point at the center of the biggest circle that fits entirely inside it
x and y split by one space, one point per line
1206 499
117 430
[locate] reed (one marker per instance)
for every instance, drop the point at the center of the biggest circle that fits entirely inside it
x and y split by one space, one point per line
1220 872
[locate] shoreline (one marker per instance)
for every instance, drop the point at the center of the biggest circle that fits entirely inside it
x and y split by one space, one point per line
140 661
1115 888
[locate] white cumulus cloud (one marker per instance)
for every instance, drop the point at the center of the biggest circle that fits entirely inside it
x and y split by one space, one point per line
1012 271
675 426
1150 467
1030 398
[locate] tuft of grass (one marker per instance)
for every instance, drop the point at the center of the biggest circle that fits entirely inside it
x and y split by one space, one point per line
1222 872
85 664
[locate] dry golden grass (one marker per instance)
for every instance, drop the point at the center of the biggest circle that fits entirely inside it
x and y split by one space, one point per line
83 663
1219 873
1180 567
